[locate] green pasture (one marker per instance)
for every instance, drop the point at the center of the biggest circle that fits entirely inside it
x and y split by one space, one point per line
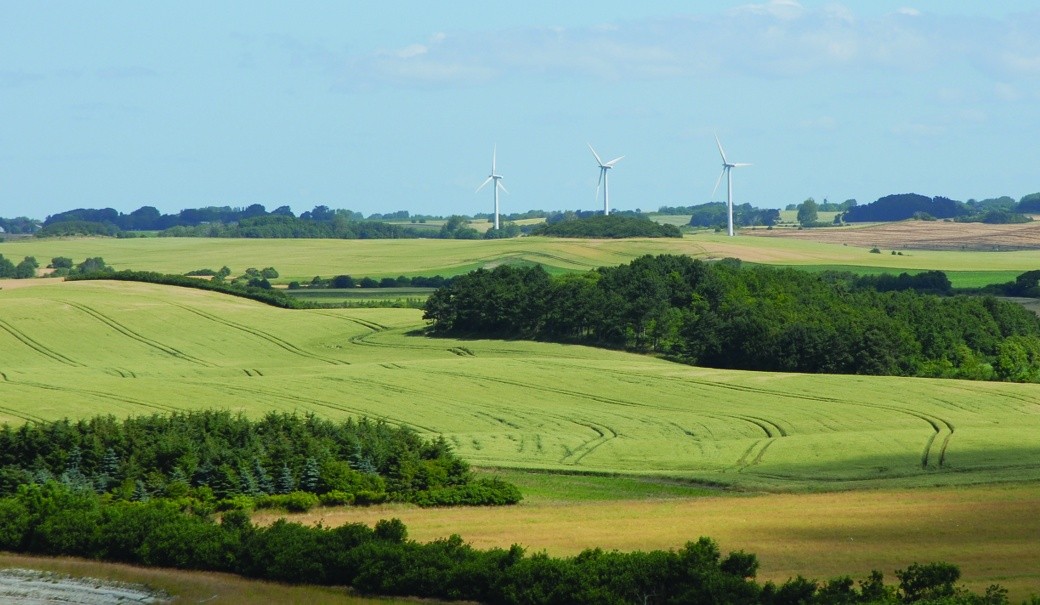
360 295
302 259
959 279
82 348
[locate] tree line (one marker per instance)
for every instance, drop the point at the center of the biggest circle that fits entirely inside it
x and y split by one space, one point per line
214 458
905 206
727 315
54 520
611 226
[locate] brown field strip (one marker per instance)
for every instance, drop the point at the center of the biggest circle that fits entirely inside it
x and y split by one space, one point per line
990 532
920 235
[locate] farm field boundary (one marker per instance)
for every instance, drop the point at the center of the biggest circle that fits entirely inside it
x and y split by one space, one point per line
301 260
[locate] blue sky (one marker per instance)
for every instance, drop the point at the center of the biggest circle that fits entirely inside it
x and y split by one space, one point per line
381 106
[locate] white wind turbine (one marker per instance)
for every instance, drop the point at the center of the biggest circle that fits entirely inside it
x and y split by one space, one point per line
727 168
603 168
497 180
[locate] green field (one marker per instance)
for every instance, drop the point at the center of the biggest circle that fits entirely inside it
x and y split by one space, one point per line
404 296
301 260
82 348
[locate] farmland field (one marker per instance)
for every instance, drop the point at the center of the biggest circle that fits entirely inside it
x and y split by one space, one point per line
83 348
923 235
989 531
301 260
675 442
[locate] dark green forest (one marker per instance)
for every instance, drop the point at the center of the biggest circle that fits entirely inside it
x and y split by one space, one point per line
55 520
727 315
612 226
213 456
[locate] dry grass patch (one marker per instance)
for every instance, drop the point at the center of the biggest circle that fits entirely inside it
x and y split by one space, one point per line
990 532
924 235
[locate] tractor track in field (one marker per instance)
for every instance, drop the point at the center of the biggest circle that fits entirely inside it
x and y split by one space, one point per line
278 342
938 424
296 398
101 395
19 413
28 341
131 334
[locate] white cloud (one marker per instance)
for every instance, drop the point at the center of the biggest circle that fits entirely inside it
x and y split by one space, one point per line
412 50
779 38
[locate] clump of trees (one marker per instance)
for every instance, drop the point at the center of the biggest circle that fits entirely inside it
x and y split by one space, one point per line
726 315
23 270
215 457
611 226
54 520
716 214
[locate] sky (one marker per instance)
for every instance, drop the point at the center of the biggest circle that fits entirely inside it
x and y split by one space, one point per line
377 106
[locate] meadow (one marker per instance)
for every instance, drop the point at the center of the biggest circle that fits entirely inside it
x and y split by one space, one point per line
302 259
82 348
613 449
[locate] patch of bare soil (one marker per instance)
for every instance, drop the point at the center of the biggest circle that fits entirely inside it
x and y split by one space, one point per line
921 235
33 587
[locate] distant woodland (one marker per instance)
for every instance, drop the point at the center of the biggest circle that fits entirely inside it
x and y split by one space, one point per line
612 226
913 206
726 315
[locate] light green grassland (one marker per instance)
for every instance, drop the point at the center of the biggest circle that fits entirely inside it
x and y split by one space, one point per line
301 260
363 295
83 348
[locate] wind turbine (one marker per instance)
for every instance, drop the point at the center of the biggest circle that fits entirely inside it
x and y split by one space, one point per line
727 167
603 168
498 185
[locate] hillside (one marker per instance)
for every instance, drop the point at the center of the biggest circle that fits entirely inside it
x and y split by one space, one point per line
79 349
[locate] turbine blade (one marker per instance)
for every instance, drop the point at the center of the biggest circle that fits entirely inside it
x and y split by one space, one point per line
596 155
721 152
502 187
738 165
717 183
489 179
494 152
614 161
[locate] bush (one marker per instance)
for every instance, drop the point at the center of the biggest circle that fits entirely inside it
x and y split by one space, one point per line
295 502
336 498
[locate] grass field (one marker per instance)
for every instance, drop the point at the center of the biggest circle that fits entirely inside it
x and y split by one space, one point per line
693 448
301 260
988 531
83 348
363 295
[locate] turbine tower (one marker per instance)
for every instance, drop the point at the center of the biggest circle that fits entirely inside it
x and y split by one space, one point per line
727 168
497 178
603 168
